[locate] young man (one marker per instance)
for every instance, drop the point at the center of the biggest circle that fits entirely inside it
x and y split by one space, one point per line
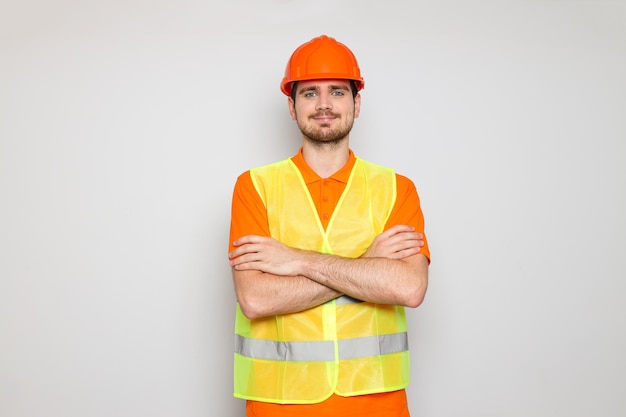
326 251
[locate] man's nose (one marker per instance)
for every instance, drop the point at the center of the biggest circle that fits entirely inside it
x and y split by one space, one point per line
323 102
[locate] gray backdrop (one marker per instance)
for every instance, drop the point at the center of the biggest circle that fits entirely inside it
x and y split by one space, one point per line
124 124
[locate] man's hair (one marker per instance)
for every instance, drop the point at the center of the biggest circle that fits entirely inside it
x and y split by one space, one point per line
294 88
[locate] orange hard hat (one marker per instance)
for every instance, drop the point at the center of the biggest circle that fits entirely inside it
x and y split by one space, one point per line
321 58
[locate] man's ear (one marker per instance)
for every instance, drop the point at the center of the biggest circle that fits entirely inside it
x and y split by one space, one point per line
357 105
292 108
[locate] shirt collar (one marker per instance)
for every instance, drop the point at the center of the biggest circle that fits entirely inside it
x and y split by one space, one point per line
310 176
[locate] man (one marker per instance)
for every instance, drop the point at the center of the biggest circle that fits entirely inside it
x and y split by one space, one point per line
326 251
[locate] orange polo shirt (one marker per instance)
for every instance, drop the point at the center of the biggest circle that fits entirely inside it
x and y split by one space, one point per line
249 216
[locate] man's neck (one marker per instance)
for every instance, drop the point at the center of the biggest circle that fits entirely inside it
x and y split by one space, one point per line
326 159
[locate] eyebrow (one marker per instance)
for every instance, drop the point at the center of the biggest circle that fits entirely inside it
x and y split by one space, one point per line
330 87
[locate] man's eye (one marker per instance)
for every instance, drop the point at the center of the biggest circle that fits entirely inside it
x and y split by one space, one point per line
310 94
338 93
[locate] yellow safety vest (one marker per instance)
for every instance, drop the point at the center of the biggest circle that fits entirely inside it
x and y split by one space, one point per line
345 346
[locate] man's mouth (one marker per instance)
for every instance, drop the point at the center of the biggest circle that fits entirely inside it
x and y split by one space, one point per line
324 118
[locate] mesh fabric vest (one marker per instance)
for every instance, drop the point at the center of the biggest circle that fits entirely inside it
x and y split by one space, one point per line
345 346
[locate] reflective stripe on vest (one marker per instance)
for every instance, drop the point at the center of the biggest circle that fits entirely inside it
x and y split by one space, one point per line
345 346
321 350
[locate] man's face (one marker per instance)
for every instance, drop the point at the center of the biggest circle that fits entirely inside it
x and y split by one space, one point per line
324 110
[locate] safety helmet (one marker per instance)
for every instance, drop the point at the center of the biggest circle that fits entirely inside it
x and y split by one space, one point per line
321 58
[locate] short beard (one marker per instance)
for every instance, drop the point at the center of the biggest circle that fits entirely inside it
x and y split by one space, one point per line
330 138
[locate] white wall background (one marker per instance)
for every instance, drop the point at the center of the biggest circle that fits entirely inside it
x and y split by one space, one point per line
123 125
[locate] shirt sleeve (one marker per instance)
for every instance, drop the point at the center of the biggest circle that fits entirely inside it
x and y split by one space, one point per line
248 213
407 209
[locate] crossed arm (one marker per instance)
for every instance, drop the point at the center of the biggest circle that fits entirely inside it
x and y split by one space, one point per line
271 278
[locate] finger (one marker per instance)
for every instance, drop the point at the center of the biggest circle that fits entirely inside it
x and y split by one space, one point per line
248 239
408 252
407 236
407 244
403 237
248 266
398 228
244 249
412 242
245 259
